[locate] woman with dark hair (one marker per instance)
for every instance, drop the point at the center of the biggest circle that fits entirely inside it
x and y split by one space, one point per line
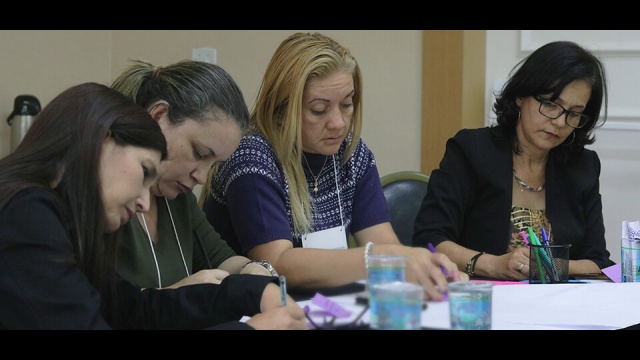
530 170
84 168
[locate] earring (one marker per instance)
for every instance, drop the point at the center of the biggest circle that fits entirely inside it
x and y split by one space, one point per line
572 139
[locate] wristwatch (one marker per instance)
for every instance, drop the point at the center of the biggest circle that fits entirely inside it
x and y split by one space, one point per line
267 265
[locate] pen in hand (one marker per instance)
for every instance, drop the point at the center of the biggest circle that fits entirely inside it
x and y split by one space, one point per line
283 290
433 250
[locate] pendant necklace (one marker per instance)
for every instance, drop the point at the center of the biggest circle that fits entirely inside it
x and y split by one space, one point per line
525 186
315 178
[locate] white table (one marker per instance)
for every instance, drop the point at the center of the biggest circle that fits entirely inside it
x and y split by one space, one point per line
594 306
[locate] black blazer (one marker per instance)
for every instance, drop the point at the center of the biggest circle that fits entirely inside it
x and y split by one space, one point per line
42 288
470 196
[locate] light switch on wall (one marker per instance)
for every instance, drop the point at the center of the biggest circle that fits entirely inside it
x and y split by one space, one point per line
204 54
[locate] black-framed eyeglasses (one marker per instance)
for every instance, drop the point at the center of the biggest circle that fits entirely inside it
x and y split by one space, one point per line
553 111
329 321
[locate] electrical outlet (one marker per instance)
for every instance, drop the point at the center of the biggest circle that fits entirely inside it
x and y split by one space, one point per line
204 54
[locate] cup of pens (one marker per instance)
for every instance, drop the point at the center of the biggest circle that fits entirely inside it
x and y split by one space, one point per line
549 264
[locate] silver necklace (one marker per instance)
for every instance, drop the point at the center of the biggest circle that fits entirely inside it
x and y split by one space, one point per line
525 186
315 178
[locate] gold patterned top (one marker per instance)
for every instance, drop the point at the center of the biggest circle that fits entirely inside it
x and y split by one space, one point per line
522 219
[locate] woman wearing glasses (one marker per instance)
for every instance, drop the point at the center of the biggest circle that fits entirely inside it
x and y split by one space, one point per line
529 170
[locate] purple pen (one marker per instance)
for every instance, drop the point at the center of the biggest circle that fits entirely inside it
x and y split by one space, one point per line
524 237
433 250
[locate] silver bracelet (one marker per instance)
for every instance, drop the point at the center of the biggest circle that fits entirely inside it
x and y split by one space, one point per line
267 265
368 251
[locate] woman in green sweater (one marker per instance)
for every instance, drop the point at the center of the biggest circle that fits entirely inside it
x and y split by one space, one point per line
203 116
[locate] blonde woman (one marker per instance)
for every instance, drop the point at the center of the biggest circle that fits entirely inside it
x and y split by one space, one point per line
302 179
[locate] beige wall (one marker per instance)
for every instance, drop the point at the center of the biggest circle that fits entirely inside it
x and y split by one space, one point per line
43 63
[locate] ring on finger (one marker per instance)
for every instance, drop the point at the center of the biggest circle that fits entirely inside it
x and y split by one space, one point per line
520 266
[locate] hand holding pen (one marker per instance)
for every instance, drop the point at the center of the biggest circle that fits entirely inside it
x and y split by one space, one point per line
273 315
433 250
283 290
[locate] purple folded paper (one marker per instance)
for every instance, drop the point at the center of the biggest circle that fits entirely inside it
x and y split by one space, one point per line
330 307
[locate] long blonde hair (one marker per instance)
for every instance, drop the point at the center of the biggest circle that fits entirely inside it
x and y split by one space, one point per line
277 113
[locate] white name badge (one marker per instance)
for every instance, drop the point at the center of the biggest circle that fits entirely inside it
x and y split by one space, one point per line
333 238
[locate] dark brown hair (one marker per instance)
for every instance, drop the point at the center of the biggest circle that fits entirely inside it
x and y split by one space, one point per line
64 144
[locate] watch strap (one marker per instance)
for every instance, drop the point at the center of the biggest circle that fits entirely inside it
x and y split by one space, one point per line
267 265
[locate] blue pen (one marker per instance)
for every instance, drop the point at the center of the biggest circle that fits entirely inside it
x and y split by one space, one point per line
545 240
283 289
533 239
433 250
545 237
547 258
